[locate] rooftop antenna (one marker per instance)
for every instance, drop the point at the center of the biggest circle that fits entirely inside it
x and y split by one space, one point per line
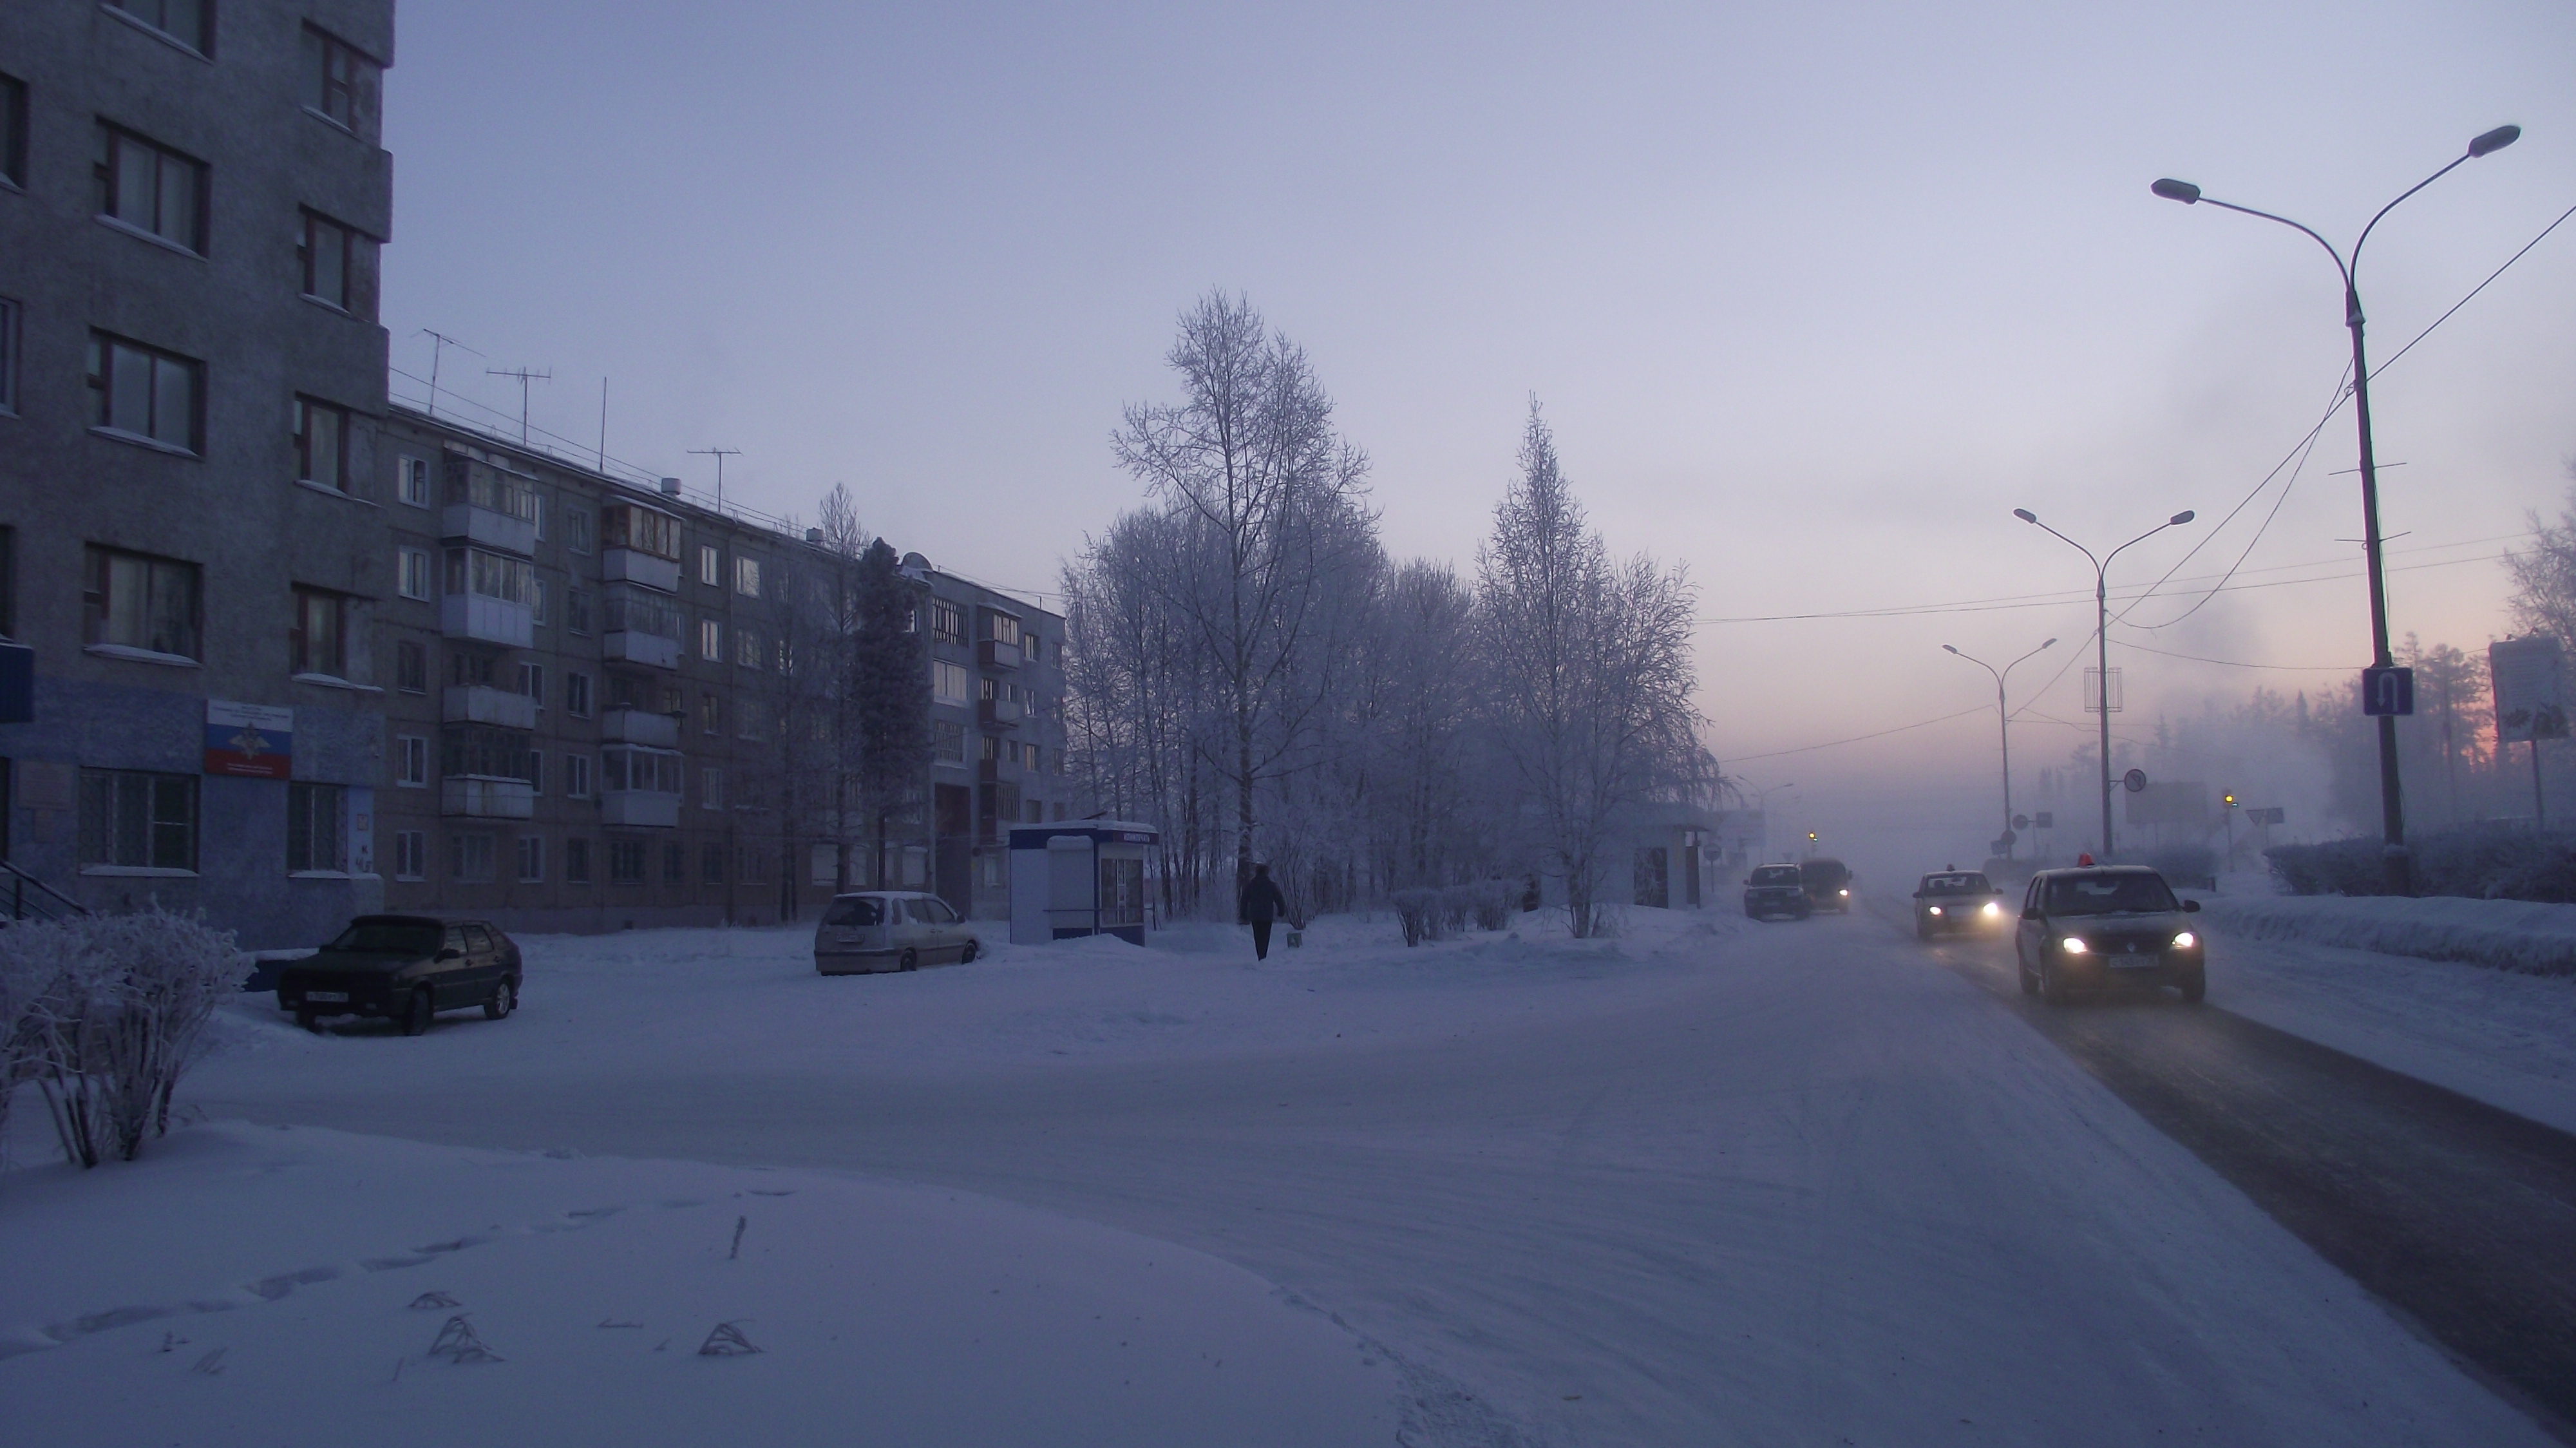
525 377
603 425
439 343
719 454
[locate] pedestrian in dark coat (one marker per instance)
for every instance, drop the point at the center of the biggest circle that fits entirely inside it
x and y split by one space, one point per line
1262 903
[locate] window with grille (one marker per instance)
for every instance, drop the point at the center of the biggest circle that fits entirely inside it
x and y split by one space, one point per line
626 862
136 820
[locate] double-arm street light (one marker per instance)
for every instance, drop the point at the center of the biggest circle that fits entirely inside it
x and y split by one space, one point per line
2400 874
2003 717
2102 636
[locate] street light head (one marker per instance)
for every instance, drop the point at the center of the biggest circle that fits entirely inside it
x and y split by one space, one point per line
2495 140
2026 515
1949 649
2186 193
2052 643
2178 519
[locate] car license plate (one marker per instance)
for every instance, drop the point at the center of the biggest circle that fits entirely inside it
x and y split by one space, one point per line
327 995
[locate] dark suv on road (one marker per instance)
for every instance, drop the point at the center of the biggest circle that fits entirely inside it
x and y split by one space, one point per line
1775 890
2107 925
406 968
1828 882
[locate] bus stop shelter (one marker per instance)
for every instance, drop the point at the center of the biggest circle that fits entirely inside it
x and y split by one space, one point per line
1079 877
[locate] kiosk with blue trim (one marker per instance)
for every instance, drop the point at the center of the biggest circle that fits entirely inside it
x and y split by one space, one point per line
1079 877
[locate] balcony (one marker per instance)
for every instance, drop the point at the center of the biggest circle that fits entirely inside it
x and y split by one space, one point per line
488 528
1000 713
491 620
640 726
483 704
629 565
628 646
655 808
480 797
995 654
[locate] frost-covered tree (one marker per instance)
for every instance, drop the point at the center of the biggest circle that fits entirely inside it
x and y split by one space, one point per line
889 685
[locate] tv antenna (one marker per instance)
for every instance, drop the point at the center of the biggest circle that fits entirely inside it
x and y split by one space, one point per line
525 377
719 454
439 343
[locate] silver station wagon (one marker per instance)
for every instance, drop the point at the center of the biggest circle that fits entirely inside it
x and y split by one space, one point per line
872 930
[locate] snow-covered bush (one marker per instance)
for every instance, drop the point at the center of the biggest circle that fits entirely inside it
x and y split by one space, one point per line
1418 911
113 1009
1493 905
1457 904
2189 863
2480 863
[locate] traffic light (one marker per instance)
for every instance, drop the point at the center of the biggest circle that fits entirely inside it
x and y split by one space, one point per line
2230 799
1811 837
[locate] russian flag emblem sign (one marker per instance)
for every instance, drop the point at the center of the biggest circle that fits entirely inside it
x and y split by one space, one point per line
249 741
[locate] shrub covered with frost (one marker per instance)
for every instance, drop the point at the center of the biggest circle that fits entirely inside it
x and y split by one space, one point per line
2483 863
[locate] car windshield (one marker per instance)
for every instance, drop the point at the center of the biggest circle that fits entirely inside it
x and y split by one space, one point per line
2108 895
403 937
1956 885
861 910
1775 875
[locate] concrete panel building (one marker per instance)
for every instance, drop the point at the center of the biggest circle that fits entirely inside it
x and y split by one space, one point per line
192 199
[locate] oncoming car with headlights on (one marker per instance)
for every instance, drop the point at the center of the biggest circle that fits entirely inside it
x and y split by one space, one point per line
2107 925
1957 902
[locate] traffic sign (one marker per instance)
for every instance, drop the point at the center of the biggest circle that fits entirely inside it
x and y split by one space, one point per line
2135 781
2388 691
2022 822
2047 820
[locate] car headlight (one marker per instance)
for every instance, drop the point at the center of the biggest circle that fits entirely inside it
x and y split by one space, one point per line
2073 946
2186 941
1992 909
1842 892
1936 909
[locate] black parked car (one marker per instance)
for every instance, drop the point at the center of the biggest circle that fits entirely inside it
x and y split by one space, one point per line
406 968
2107 925
1828 882
1955 901
1775 890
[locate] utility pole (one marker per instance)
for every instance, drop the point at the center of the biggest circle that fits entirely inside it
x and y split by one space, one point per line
525 377
719 454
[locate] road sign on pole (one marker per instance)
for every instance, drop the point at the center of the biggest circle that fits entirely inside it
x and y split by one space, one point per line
2388 691
2135 780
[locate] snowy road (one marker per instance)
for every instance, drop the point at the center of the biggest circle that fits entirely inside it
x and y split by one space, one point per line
1803 1186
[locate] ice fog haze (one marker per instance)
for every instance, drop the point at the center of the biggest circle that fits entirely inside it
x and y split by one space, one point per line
1814 296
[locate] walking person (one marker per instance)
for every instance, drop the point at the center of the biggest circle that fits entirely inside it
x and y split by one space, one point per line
1263 902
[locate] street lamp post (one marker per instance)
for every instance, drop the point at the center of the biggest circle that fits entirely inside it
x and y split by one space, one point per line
2102 635
2003 718
2392 807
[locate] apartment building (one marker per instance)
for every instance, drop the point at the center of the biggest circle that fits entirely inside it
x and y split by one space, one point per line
593 716
192 200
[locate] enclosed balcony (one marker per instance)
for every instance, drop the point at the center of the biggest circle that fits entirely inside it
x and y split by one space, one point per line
639 545
628 565
640 726
484 797
639 626
1000 713
466 523
639 786
490 597
484 704
651 808
995 654
489 506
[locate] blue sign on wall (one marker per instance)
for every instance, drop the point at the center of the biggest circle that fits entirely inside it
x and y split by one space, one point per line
2388 691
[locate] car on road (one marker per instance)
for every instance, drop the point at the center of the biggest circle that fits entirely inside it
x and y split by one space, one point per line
1828 883
1957 902
1775 890
2107 925
876 930
405 968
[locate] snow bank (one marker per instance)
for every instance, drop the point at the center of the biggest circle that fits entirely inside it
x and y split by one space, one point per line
2517 935
287 1285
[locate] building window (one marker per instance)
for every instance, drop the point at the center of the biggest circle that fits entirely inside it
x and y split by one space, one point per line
8 355
576 857
746 577
625 608
537 513
948 741
532 859
469 859
577 534
710 713
536 771
1029 757
185 21
577 695
138 821
747 650
642 529
675 863
626 862
751 719
710 565
151 189
948 683
627 768
321 444
711 640
480 751
468 666
541 609
413 576
339 82
144 392
947 625
532 682
144 603
313 839
13 130
326 249
317 643
411 855
576 612
1029 647
1001 628
711 863
478 484
411 761
411 666
711 789
576 776
493 575
411 481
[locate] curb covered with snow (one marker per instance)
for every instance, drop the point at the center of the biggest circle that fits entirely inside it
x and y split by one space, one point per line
2516 935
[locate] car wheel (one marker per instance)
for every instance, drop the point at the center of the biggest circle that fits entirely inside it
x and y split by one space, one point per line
973 948
417 1013
309 1021
2052 984
2195 986
505 998
2029 984
911 961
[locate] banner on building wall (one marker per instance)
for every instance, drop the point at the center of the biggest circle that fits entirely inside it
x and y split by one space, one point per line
249 741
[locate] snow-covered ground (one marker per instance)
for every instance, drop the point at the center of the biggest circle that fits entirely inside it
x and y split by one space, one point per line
1706 1182
2518 935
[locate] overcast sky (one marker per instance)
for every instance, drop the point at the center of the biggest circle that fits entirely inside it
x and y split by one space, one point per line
1814 295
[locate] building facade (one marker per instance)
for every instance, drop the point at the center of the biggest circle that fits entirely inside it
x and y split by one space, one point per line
192 201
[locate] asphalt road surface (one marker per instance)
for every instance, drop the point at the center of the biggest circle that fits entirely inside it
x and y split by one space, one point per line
2460 1216
1823 1191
